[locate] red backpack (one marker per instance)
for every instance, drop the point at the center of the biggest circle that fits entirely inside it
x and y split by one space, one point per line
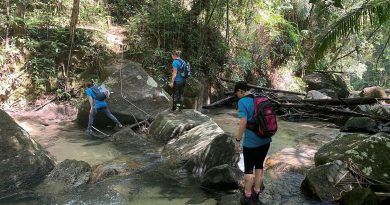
265 118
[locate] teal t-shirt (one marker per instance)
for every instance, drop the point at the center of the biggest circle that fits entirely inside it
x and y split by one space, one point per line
246 109
176 64
98 104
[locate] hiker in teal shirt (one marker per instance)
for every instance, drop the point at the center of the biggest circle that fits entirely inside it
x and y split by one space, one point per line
97 105
177 82
255 148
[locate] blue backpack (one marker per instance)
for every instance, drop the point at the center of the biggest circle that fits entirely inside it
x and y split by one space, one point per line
99 94
185 69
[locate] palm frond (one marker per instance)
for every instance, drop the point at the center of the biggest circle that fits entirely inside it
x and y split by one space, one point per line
375 12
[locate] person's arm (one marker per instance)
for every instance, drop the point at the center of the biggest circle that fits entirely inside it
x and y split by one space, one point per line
174 73
241 129
90 100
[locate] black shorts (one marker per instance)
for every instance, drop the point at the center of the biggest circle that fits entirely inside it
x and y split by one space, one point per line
254 157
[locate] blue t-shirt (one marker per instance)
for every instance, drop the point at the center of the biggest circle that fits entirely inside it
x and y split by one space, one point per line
176 64
98 103
246 109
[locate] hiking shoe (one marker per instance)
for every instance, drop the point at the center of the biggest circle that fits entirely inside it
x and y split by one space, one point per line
118 126
256 198
88 132
245 201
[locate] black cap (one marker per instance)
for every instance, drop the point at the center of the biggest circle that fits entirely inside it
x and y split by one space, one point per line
241 85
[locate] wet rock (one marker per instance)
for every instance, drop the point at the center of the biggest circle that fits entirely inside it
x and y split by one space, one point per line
360 124
193 140
231 199
360 196
126 137
314 94
193 93
223 177
318 81
121 166
368 152
69 175
143 97
23 162
168 125
320 181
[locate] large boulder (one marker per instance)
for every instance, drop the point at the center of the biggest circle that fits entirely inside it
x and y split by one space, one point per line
23 162
321 181
142 97
67 176
382 111
168 125
360 124
368 152
318 81
195 140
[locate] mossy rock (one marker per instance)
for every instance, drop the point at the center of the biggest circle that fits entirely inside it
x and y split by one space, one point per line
368 152
360 124
360 196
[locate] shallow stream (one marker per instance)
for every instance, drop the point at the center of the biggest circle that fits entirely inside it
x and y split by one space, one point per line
157 185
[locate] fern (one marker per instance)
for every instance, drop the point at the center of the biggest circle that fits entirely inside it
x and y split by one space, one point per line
375 13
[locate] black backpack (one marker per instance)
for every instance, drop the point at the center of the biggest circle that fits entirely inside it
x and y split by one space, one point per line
185 69
99 94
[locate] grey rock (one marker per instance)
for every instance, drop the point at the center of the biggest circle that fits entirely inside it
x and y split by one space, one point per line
23 162
231 199
320 181
360 124
368 152
318 81
69 174
223 177
143 98
314 94
168 125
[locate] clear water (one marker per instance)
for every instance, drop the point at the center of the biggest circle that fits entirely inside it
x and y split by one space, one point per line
157 184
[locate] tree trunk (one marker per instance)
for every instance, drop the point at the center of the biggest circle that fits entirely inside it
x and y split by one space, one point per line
227 22
7 24
18 28
72 28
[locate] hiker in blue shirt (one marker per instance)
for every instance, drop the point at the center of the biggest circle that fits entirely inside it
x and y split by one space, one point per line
177 82
255 148
97 105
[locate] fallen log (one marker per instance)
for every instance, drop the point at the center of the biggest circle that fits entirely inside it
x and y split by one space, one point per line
218 103
340 101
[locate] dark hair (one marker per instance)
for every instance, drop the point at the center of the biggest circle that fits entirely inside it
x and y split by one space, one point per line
241 85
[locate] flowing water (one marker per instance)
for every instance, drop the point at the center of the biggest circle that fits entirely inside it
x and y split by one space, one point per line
157 185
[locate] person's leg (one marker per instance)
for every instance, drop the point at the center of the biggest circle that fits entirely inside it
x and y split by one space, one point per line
107 112
181 94
91 118
261 153
174 96
248 177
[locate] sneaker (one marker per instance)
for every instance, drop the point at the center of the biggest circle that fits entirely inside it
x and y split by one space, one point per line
245 201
